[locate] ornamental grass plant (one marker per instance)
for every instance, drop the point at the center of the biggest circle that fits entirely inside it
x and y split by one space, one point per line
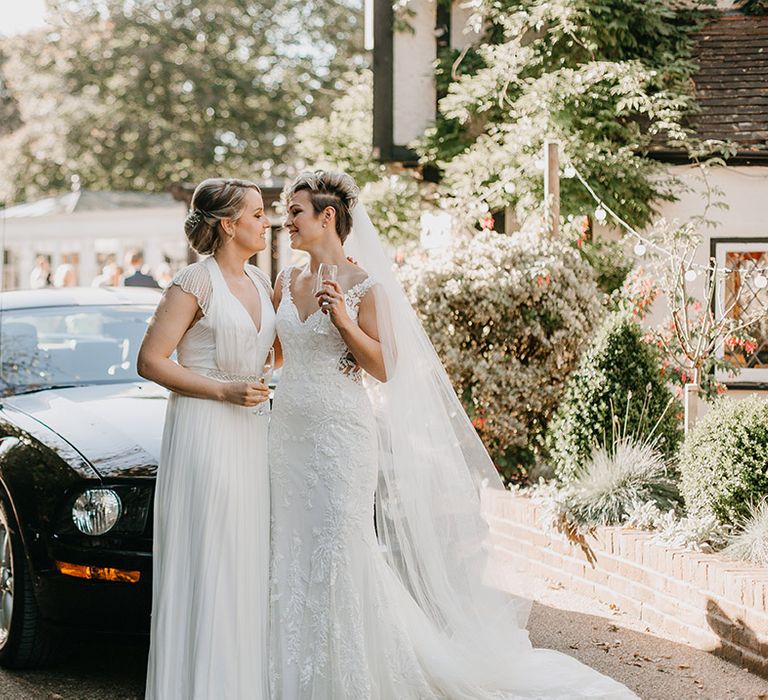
750 542
618 478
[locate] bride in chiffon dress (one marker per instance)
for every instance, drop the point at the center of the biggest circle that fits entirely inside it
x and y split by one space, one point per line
396 610
209 628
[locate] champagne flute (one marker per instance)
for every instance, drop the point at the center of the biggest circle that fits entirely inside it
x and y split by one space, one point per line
327 272
266 375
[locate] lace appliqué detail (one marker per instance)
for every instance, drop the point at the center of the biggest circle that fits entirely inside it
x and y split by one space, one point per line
347 363
196 280
348 366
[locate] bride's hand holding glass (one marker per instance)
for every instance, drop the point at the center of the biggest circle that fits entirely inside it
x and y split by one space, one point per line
331 301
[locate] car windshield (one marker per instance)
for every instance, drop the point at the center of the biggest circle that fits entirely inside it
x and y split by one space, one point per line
70 346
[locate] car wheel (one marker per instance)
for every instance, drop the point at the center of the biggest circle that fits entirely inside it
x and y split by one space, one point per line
24 642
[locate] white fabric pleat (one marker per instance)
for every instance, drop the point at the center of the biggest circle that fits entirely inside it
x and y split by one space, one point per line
209 627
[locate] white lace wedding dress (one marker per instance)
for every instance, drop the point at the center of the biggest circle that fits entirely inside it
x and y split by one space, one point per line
343 626
211 538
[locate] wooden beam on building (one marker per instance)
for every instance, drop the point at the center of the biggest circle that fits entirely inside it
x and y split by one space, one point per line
383 79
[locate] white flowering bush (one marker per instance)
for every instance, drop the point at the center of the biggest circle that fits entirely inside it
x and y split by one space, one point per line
509 316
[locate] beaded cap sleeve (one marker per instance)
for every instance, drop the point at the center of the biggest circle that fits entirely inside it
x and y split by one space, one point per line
261 277
356 293
196 280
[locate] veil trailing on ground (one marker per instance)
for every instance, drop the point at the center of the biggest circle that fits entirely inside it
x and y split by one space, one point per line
432 468
470 638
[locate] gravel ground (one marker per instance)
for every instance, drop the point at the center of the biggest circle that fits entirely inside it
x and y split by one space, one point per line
603 638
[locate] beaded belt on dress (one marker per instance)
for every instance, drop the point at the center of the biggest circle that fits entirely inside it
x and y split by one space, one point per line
231 377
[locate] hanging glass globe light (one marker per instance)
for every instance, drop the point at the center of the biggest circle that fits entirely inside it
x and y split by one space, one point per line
601 214
691 275
640 249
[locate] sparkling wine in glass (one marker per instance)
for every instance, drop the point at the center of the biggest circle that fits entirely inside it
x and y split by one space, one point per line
327 272
266 375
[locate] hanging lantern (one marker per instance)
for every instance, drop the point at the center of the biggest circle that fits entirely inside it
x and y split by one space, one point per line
569 172
761 281
640 249
691 275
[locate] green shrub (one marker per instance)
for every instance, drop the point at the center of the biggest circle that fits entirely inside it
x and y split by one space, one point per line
509 316
724 460
618 373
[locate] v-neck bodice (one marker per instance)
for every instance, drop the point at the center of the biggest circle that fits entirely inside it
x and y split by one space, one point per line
314 346
225 341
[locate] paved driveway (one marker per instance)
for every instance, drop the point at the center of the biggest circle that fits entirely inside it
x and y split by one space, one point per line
656 669
105 669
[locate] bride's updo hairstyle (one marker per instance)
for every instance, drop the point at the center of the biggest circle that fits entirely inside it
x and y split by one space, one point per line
214 199
329 188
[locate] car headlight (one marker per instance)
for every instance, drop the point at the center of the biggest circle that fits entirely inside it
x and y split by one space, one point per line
96 511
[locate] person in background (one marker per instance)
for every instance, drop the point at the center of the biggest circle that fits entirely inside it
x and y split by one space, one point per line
111 276
163 275
40 277
134 277
65 276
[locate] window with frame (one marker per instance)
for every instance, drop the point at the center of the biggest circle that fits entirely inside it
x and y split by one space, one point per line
743 297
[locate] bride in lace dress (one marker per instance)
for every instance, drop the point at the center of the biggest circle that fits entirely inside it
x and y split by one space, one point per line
211 528
364 413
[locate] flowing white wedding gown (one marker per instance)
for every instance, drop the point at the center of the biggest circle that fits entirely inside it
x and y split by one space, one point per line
343 625
211 529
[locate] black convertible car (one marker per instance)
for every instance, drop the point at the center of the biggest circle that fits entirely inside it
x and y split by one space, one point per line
79 444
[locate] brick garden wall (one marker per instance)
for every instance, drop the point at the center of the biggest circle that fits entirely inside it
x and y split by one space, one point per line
698 599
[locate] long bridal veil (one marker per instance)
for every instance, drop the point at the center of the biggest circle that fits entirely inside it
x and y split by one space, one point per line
432 469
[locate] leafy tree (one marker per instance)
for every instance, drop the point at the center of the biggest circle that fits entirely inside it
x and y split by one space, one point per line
136 95
608 78
10 119
343 140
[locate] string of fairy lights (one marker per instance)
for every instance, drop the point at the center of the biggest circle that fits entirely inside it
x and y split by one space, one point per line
644 243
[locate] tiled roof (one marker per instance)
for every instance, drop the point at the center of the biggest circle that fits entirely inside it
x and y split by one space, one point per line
732 83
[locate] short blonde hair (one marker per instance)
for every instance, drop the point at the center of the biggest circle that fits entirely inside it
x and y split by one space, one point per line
328 188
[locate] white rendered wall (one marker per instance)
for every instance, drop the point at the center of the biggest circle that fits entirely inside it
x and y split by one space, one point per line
413 81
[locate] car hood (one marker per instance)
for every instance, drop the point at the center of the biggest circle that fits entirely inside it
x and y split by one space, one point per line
116 427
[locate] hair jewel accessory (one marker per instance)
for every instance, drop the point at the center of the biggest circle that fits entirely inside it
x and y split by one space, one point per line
194 217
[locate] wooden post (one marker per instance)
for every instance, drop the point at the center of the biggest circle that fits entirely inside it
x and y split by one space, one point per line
552 186
691 406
